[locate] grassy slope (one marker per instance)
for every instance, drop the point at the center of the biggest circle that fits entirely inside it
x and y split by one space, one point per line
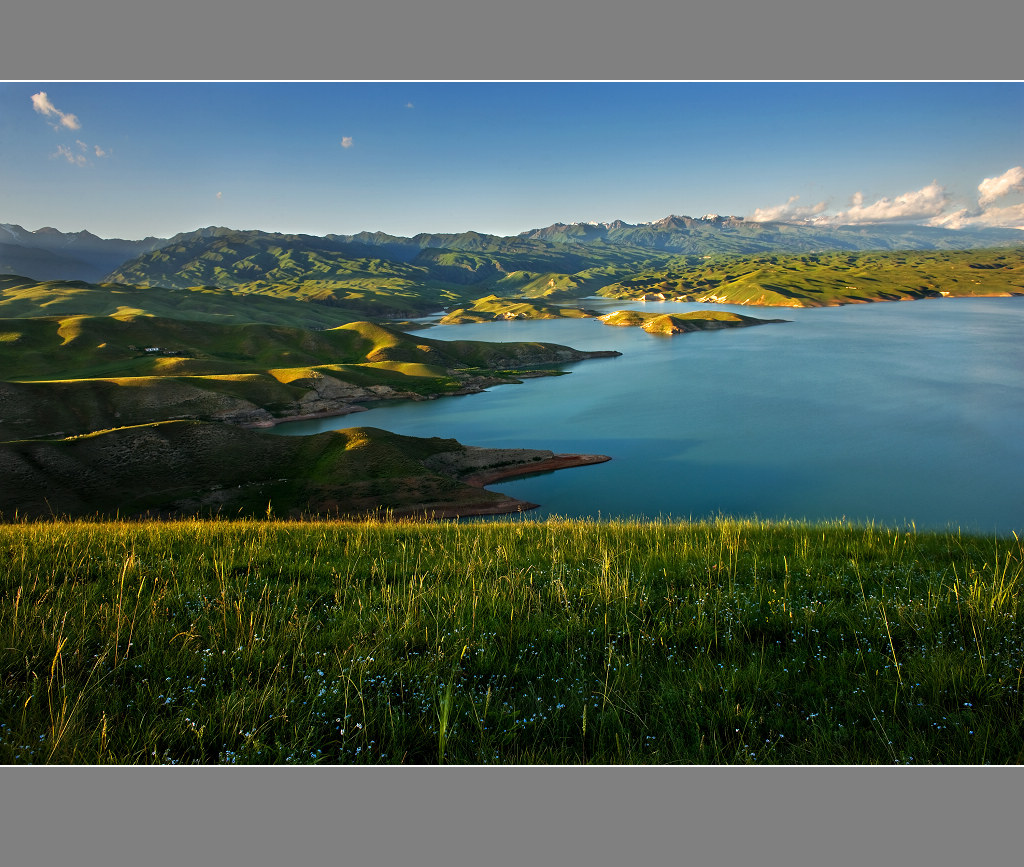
492 307
353 275
89 346
186 467
75 374
22 297
330 272
105 365
293 267
828 279
554 642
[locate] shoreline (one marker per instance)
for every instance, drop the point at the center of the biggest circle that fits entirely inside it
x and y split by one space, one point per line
556 462
508 506
309 416
938 295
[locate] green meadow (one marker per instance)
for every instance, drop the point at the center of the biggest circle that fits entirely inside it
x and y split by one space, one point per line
514 641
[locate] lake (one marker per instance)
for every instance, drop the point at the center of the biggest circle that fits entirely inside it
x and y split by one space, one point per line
892 412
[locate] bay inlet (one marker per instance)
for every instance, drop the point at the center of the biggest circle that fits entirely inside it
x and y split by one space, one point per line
897 413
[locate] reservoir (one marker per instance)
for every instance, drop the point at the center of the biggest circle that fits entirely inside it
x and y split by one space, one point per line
887 412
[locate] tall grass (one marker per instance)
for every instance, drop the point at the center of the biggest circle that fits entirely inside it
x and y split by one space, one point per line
513 641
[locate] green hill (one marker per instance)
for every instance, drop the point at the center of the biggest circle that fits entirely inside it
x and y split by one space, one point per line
75 374
186 467
714 259
76 347
369 276
292 267
681 323
830 279
24 297
492 307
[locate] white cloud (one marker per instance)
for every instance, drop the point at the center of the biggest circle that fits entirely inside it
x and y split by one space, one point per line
408 105
220 195
787 212
76 158
990 190
956 220
922 204
69 155
41 103
1011 216
927 203
1010 181
346 141
931 206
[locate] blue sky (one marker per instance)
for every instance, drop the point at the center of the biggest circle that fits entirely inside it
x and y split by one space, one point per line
135 159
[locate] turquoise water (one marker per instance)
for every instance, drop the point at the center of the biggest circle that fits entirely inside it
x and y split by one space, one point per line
897 413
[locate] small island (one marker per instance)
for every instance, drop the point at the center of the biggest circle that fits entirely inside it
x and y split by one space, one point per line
492 308
681 323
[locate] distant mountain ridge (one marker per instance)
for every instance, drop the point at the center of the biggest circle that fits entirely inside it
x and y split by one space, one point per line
710 234
210 255
714 234
411 276
49 254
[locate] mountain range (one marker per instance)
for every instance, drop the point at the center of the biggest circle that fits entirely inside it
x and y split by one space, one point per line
49 254
716 235
601 252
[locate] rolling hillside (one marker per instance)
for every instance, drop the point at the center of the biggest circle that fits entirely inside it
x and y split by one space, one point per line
377 275
23 297
352 273
76 374
181 468
829 279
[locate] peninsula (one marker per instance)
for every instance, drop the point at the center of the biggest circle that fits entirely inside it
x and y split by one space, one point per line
179 469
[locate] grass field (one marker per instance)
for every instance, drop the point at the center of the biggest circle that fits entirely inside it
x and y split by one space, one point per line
508 642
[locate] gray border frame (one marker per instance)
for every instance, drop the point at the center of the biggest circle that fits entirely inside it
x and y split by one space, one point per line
532 39
254 816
